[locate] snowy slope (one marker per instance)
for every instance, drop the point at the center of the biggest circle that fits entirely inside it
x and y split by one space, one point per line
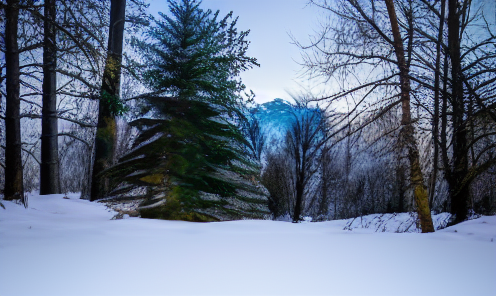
72 247
275 118
397 222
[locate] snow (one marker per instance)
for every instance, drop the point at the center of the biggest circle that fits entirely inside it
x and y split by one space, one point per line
71 246
396 222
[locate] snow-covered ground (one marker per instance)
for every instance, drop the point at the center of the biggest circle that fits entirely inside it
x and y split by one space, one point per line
70 247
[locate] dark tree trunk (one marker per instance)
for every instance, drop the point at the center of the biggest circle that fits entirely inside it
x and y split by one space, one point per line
49 170
459 194
106 127
13 158
325 179
435 118
299 197
407 131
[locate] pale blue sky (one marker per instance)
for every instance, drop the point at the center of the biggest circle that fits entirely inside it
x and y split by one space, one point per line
270 22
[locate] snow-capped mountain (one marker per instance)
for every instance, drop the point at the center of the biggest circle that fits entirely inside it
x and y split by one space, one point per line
275 118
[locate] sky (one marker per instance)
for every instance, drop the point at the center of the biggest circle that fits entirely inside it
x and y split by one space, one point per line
271 22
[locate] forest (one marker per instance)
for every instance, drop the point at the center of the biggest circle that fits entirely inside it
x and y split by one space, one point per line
122 127
102 98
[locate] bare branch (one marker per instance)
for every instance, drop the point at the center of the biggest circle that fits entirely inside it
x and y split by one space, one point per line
75 137
32 155
78 77
80 123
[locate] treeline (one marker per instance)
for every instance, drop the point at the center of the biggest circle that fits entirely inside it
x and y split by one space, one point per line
343 177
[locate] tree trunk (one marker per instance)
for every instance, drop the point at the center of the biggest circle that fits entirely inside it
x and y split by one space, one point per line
49 170
459 195
407 131
299 199
106 127
435 118
325 174
13 158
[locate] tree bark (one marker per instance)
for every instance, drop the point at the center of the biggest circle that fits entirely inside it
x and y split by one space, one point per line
407 132
13 158
106 127
459 194
49 169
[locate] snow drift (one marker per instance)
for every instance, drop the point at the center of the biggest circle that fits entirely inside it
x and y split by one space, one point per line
71 246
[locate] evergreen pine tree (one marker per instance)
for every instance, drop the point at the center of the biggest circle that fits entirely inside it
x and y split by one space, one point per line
190 154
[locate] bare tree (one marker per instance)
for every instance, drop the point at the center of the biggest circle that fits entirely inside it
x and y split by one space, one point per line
278 178
304 140
473 102
329 175
372 66
407 133
466 92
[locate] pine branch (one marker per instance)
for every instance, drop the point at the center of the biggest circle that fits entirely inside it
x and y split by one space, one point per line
142 96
